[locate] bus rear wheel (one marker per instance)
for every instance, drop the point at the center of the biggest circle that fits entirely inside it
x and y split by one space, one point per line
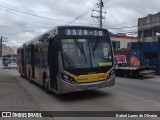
30 77
46 85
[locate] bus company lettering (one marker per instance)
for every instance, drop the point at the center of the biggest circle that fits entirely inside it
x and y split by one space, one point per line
15 114
34 115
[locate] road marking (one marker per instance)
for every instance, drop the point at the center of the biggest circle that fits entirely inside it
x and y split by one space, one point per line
136 96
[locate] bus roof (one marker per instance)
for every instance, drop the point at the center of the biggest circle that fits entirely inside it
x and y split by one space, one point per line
54 31
83 27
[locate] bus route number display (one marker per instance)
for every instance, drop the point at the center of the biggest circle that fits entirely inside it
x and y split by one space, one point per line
82 32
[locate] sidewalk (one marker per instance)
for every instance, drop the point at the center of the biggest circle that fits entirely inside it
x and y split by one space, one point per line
13 95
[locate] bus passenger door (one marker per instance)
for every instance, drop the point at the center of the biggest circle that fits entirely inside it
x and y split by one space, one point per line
22 62
53 63
32 62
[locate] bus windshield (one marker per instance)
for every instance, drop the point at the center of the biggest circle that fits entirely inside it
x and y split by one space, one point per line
86 53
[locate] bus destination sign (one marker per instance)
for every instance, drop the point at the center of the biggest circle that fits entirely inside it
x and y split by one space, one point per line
82 32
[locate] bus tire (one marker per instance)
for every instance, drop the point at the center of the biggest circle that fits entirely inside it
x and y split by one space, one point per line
30 77
125 74
45 84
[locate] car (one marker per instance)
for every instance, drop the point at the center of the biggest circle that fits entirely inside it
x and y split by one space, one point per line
12 65
5 64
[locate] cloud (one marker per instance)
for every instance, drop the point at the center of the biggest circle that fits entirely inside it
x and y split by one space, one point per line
21 27
13 43
26 36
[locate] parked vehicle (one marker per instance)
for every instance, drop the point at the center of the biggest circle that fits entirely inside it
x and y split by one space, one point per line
122 69
5 62
6 59
12 65
148 54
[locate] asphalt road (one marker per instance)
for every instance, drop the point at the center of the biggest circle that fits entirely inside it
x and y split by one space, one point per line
127 95
147 87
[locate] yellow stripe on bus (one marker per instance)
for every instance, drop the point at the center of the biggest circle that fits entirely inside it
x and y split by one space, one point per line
90 77
37 75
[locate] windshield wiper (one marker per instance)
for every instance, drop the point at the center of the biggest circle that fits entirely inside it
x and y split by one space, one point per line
80 48
93 51
96 44
94 47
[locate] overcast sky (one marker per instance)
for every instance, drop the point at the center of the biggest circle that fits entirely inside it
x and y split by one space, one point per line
22 20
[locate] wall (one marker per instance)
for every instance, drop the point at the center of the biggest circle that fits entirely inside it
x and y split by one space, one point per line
6 50
148 27
124 40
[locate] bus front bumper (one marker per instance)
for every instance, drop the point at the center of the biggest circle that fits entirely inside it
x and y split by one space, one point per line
66 87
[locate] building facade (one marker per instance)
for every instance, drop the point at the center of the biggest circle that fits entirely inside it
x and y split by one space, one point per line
148 27
7 50
122 41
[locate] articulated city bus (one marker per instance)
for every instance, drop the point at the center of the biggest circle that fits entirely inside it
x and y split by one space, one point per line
68 59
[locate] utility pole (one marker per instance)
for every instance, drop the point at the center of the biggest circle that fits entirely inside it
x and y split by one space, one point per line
101 5
1 47
100 16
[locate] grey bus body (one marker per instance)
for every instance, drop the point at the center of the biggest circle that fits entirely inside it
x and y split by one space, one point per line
68 59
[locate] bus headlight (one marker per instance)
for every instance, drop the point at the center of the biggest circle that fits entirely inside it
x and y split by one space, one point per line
67 78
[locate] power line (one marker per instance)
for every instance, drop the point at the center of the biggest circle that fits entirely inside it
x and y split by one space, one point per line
35 25
14 21
123 23
86 23
30 14
10 12
24 26
52 27
126 32
106 1
123 27
82 15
